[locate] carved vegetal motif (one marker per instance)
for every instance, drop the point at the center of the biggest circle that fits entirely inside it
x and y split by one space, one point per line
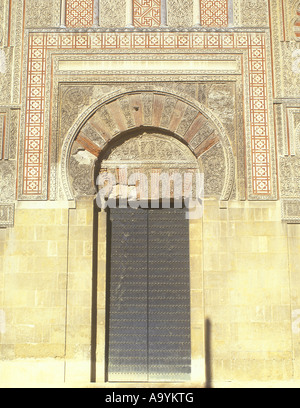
147 157
113 13
291 211
153 148
7 181
74 99
290 176
221 99
80 170
214 180
180 13
290 58
167 112
285 48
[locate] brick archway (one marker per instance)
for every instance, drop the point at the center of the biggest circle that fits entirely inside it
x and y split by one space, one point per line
190 123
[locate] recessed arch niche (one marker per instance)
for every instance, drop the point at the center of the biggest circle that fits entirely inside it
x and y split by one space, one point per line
191 127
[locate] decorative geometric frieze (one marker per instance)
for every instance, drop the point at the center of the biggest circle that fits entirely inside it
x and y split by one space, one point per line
259 116
41 43
146 13
180 13
7 215
79 13
291 211
214 13
288 127
289 167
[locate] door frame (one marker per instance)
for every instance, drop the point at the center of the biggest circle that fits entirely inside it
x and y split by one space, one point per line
99 309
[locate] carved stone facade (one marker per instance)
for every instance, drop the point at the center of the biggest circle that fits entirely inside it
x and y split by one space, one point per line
254 13
6 215
39 13
164 86
146 13
214 13
180 13
112 14
146 110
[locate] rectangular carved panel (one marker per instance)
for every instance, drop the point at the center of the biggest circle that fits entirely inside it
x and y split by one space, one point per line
79 13
146 13
7 215
2 135
291 211
214 13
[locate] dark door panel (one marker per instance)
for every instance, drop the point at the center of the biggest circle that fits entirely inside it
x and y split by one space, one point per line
149 296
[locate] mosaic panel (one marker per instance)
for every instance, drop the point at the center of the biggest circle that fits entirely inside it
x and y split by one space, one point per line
259 116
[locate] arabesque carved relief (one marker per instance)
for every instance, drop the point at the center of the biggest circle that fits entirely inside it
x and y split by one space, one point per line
195 128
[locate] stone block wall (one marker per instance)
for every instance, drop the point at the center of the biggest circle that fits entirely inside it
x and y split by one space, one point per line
244 255
244 279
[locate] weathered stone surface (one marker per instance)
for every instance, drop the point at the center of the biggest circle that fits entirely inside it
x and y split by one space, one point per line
81 163
42 13
290 176
213 180
6 215
7 181
113 14
167 112
244 254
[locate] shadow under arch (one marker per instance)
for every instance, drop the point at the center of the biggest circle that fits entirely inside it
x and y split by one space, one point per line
142 132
